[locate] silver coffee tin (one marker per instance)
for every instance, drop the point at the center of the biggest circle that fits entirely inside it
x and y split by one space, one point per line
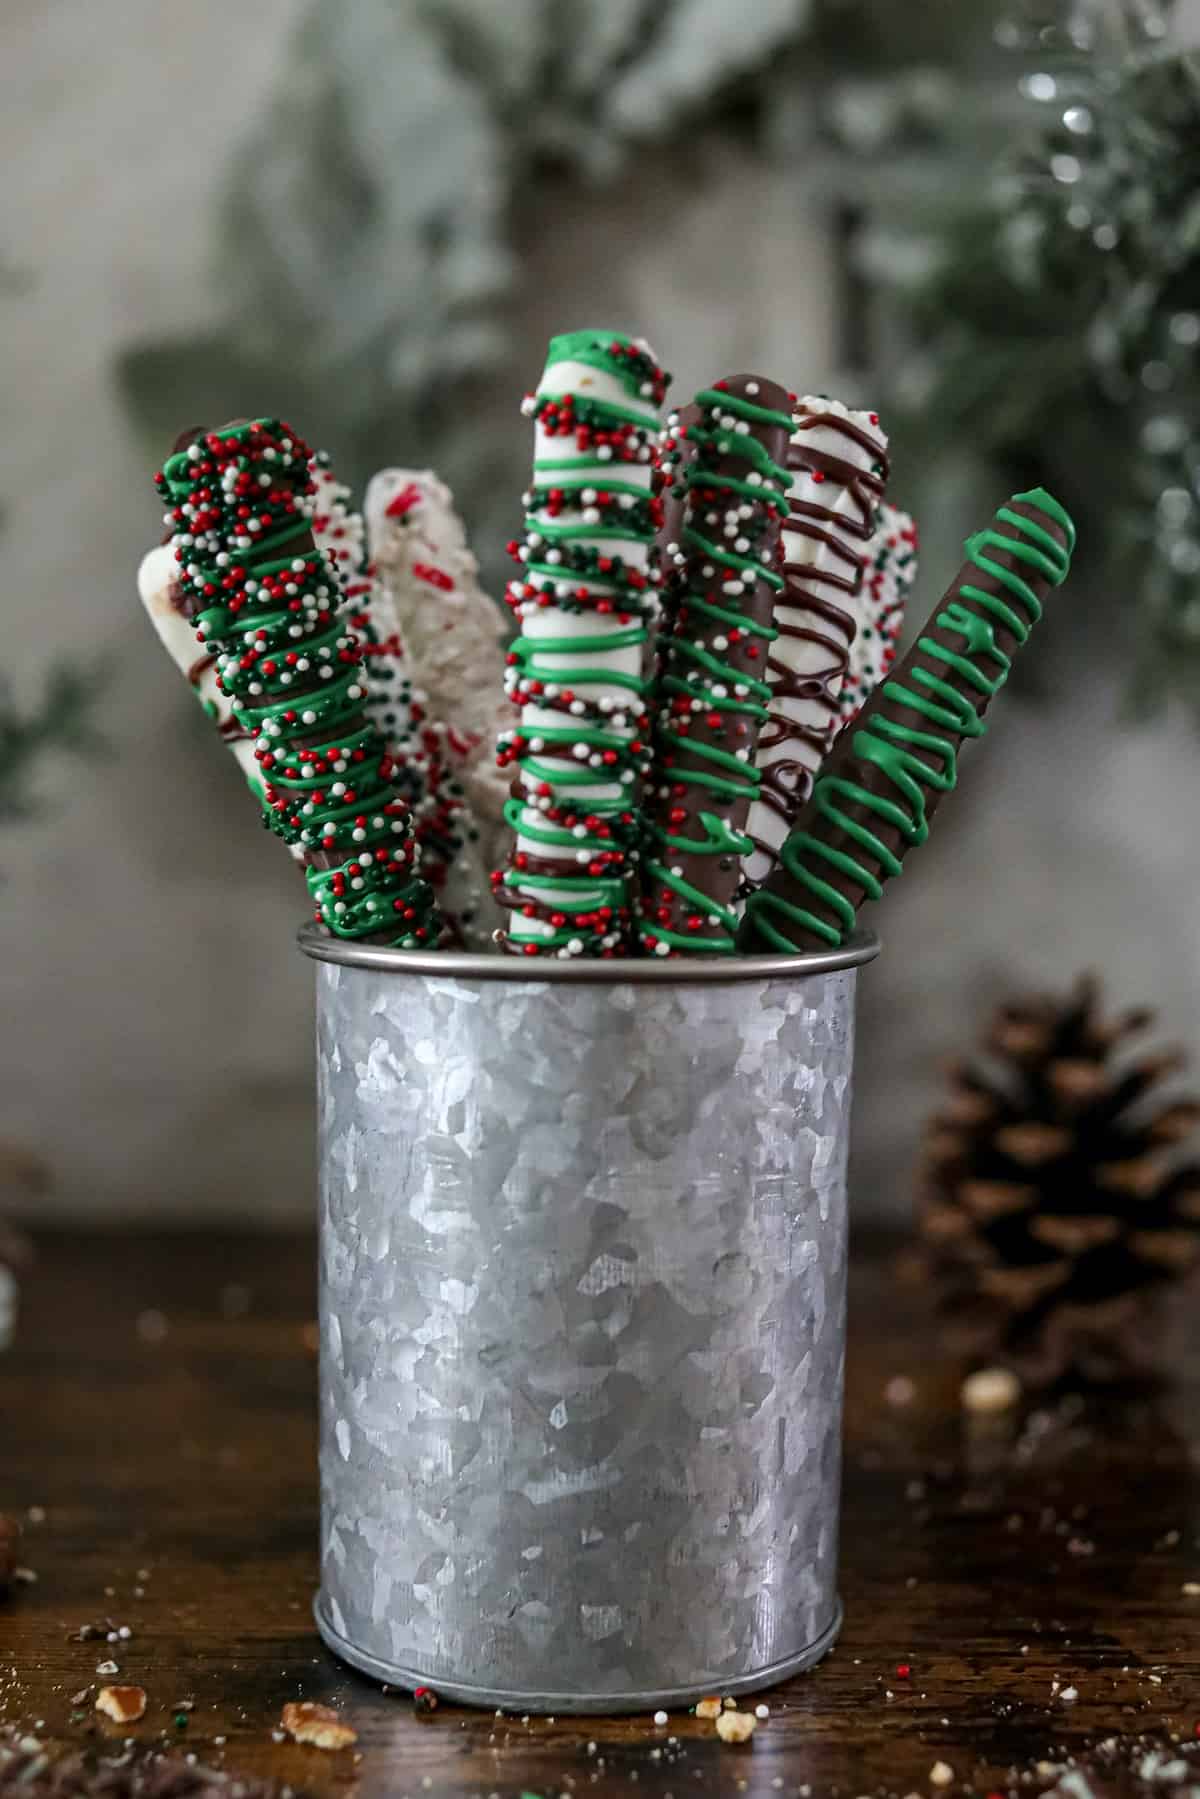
582 1308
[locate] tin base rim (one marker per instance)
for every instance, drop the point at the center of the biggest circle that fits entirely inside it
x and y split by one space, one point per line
567 1704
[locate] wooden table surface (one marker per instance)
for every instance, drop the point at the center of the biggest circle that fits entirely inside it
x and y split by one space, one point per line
157 1439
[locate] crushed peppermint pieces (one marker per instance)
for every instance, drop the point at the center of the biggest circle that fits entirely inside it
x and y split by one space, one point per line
124 1705
317 1725
708 1708
119 1770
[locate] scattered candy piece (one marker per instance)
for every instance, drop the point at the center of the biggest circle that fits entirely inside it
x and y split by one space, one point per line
708 1708
761 1712
124 1705
736 1727
424 1699
941 1774
318 1725
660 1717
990 1390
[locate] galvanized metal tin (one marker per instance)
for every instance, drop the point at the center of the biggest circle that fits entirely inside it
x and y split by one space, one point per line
583 1254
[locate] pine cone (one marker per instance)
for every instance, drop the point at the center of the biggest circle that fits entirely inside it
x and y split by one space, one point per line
1052 1201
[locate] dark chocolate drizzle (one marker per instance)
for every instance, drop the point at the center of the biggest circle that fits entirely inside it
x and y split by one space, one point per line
787 781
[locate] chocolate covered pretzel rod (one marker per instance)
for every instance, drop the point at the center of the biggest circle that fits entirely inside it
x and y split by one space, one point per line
676 449
888 575
883 782
426 754
712 689
268 602
451 628
584 602
162 595
837 467
430 595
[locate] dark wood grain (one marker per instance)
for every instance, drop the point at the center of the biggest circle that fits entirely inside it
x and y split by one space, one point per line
159 1408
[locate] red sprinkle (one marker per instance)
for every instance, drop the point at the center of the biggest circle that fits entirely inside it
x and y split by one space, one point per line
436 577
404 501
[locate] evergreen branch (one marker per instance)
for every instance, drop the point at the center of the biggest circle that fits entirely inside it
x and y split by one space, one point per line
61 722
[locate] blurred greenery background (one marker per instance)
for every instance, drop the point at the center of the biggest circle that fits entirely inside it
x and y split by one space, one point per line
983 218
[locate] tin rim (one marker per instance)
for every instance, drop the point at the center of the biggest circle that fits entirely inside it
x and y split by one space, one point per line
862 946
